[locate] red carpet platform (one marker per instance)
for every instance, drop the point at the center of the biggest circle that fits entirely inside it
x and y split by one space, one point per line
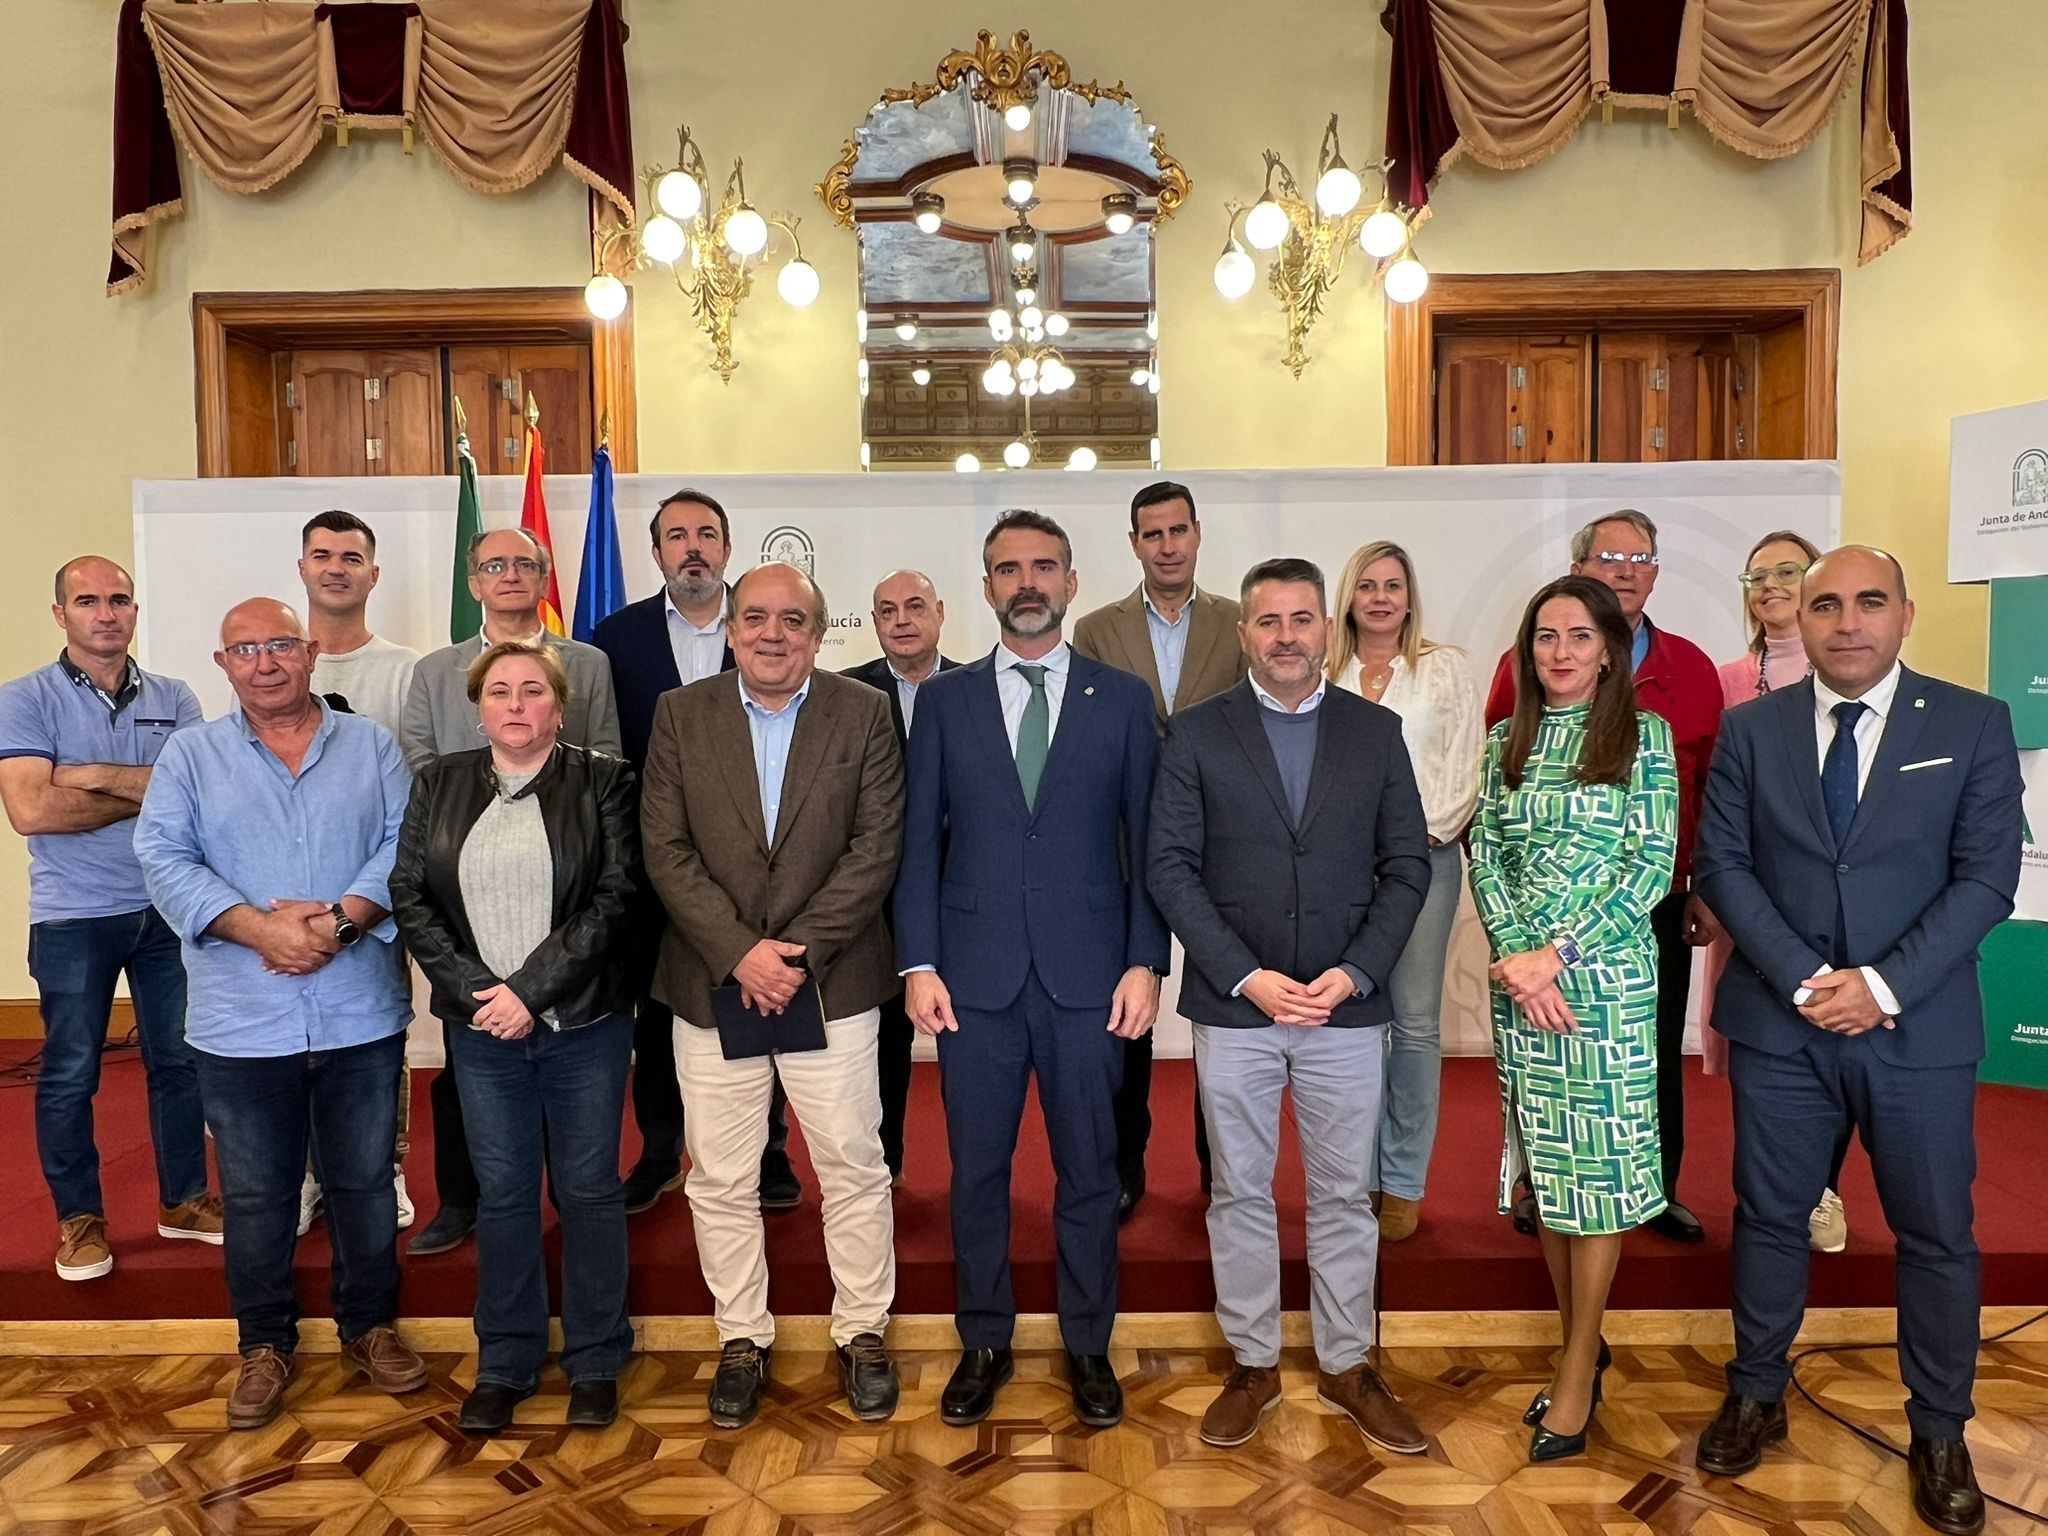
1465 1258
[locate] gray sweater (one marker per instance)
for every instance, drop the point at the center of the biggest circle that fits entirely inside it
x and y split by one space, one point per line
439 718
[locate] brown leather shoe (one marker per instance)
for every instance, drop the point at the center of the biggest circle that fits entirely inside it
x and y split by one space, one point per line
1252 1392
1361 1396
258 1395
1399 1217
390 1366
198 1218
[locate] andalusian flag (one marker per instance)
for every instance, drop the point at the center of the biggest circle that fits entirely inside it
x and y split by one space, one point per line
465 613
533 517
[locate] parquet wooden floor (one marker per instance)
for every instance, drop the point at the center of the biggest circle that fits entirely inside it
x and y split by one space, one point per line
135 1445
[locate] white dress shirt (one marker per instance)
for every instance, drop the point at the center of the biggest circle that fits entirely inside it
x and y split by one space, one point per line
1307 706
1443 729
1869 732
699 653
1015 692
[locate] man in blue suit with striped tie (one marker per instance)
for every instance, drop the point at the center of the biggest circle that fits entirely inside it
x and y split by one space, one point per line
1028 948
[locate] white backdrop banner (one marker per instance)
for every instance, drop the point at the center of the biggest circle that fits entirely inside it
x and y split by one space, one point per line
1998 493
1482 540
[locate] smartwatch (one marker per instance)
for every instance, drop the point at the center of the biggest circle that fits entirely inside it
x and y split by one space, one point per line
346 929
1567 951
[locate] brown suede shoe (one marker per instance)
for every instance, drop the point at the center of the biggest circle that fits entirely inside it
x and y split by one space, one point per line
258 1395
1252 1392
1399 1218
198 1218
1361 1396
82 1251
390 1366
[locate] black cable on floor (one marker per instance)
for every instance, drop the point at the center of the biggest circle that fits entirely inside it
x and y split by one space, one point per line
1878 1440
23 1073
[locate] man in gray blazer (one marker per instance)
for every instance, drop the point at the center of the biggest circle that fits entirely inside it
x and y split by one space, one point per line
508 574
1860 836
1289 854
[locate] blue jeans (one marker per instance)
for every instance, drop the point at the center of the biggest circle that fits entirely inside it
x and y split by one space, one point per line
263 1109
75 962
572 1084
1414 1062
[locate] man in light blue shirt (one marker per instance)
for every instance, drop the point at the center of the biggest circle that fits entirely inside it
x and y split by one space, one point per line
267 839
772 730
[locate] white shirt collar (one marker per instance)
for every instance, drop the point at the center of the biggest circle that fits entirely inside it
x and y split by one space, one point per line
1054 660
757 707
906 682
1308 706
1879 697
669 603
538 637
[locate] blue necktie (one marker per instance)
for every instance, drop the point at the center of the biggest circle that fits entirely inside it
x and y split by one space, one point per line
1838 769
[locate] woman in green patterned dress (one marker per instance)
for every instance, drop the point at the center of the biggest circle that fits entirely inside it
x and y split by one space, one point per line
1571 848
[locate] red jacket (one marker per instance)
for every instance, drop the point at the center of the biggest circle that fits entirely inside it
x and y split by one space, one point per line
1676 681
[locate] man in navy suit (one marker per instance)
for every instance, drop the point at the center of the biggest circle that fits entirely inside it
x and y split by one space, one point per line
908 615
1860 836
676 637
1028 950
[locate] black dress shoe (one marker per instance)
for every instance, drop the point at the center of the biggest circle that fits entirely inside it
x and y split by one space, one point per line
593 1404
1945 1492
736 1389
648 1182
1098 1396
1539 1405
971 1392
1129 1193
1678 1224
1546 1444
1523 1213
488 1408
869 1377
780 1190
1734 1443
451 1224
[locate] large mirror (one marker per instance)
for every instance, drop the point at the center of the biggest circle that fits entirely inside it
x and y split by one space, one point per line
1008 297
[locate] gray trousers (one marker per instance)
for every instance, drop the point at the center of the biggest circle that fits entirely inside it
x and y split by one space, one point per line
1335 1075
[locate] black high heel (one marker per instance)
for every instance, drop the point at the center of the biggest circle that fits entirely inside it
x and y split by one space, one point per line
1540 1403
1549 1445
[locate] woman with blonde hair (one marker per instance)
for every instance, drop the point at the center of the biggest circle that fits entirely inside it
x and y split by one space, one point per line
1379 650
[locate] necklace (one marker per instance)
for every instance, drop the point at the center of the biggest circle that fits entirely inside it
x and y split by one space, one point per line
1763 670
1376 682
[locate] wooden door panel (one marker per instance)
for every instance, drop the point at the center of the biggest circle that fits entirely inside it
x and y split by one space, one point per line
473 375
1627 406
1472 401
1552 402
558 378
252 410
1780 393
406 415
331 415
1688 408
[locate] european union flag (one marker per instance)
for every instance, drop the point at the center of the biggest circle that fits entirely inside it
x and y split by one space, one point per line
601 586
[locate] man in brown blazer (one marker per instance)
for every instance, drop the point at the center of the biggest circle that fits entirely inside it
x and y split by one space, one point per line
772 820
1183 642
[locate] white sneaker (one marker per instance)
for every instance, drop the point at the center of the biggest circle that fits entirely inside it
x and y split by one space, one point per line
309 1203
405 1210
1827 1229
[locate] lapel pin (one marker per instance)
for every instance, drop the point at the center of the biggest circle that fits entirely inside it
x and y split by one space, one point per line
1919 703
1089 690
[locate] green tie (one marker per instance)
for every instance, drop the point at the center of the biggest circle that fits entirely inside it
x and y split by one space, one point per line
1034 735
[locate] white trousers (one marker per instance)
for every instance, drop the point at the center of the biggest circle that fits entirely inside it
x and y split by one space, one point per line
836 1099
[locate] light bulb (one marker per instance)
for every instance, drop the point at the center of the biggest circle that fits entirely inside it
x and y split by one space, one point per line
993 379
999 323
1035 333
929 211
1384 233
920 376
1152 324
860 369
1020 181
1119 212
1016 455
746 231
1082 458
1152 383
1026 296
1027 368
967 464
679 196
1266 225
1155 453
866 458
1338 190
1005 386
797 282
1235 272
663 239
1017 117
1140 376
860 323
1406 279
1030 316
1028 388
1056 324
605 296
906 330
928 220
1021 248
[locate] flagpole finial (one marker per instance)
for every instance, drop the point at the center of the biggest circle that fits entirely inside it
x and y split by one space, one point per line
461 418
532 410
604 428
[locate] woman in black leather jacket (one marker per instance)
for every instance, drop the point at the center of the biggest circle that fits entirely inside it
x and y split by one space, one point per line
514 889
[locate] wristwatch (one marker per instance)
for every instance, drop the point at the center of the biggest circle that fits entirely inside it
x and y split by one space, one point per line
1567 951
346 929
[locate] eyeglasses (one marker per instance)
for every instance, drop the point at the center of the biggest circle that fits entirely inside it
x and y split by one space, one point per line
1785 573
1614 557
525 565
249 650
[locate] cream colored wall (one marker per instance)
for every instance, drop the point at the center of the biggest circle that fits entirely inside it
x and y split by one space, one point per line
95 393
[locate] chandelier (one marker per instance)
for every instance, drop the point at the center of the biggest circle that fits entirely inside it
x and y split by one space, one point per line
711 254
1311 239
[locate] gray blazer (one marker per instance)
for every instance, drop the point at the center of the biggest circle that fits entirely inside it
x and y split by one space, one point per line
439 718
1245 889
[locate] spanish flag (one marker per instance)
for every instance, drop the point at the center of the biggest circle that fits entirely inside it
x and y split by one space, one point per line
533 517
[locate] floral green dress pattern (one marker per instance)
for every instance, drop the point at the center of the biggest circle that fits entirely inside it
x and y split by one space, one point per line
1557 857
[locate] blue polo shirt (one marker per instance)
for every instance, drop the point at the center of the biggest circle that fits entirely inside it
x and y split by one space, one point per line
60 715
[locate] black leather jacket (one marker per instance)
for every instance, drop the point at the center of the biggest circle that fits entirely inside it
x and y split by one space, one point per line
595 960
